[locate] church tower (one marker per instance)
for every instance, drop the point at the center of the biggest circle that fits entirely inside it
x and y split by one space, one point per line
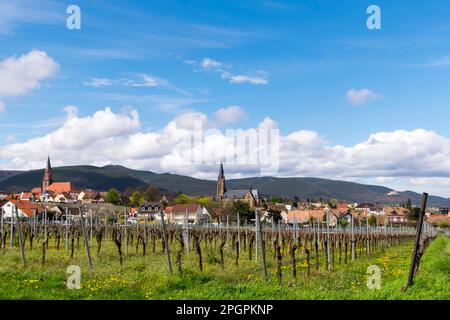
48 176
221 188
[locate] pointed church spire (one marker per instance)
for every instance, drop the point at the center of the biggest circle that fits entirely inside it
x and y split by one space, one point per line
221 171
221 188
49 166
48 176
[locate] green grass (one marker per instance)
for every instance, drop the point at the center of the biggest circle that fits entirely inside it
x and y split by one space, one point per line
148 278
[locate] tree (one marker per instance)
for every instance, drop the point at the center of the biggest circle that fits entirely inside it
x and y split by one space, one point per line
276 199
443 224
152 194
182 199
113 196
203 201
344 223
413 214
137 199
274 214
124 199
373 220
244 210
333 203
408 205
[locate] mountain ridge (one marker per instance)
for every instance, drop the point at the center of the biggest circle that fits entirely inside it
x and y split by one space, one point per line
120 177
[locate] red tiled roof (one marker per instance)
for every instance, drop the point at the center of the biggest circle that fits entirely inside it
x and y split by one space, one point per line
436 218
304 215
342 206
26 207
26 195
168 209
181 208
395 211
61 187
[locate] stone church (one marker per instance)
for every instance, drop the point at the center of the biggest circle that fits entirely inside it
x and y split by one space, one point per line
249 196
49 185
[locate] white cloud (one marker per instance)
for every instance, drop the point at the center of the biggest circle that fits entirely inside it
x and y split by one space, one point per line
207 64
258 78
210 64
252 80
141 80
10 138
404 159
383 180
71 111
99 82
360 97
23 74
148 81
229 115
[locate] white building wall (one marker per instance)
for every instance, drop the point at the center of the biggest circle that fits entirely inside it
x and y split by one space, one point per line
8 210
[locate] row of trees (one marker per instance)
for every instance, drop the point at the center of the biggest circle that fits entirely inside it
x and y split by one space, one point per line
133 197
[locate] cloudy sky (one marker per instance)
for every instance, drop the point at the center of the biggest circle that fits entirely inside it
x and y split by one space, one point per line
350 103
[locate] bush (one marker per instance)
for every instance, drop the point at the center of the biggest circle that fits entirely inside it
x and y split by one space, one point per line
443 224
113 196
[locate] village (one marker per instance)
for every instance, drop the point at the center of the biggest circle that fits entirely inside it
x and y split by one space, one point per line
61 201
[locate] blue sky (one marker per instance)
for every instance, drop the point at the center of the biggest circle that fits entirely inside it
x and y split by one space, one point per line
292 61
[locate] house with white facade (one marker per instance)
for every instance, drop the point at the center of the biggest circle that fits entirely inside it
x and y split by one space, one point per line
25 209
195 213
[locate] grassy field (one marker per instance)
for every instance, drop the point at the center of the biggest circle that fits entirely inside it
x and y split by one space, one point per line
148 278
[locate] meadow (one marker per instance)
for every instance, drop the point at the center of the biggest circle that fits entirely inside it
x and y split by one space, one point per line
147 277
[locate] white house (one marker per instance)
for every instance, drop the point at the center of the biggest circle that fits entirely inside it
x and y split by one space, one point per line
196 213
25 209
65 197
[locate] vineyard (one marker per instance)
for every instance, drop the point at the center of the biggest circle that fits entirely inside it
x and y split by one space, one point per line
166 260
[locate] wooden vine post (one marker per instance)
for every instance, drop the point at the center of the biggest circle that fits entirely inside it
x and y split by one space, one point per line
166 243
328 241
367 237
86 242
11 232
90 231
263 249
256 234
186 231
239 231
2 229
126 231
353 239
414 257
21 242
67 229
